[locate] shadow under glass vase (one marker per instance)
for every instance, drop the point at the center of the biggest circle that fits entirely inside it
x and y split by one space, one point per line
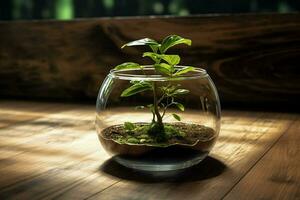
189 140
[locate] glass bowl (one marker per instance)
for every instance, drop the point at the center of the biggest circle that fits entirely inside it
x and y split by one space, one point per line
190 127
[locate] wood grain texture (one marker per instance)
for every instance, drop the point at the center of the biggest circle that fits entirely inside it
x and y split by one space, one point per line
251 58
277 175
56 155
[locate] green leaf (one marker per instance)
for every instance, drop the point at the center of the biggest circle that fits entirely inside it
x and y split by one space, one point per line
129 126
173 40
168 90
154 56
154 47
163 68
128 65
137 87
177 117
145 41
184 71
180 92
171 59
180 106
133 140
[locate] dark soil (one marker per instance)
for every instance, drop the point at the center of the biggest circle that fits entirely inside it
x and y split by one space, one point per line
176 133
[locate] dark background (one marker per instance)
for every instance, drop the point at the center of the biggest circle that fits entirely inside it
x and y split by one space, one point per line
69 9
252 58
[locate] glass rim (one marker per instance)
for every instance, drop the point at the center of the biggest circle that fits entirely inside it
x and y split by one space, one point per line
197 73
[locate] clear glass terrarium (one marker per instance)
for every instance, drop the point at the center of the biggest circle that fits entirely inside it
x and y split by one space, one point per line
191 126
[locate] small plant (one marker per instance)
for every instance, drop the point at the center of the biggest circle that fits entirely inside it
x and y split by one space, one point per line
163 96
153 142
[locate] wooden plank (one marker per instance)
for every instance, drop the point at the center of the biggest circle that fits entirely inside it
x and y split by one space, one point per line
22 145
64 160
252 58
71 147
14 112
277 175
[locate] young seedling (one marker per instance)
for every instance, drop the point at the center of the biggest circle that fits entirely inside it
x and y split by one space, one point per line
163 64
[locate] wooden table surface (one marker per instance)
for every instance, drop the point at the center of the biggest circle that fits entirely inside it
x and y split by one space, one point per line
51 151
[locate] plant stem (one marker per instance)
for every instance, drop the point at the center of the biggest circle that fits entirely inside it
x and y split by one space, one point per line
155 103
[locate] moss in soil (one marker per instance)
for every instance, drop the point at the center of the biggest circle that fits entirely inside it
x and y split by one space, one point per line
147 134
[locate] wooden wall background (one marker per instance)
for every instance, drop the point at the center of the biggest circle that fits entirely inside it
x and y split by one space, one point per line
251 58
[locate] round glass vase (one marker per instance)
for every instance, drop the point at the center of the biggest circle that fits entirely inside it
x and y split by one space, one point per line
130 131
